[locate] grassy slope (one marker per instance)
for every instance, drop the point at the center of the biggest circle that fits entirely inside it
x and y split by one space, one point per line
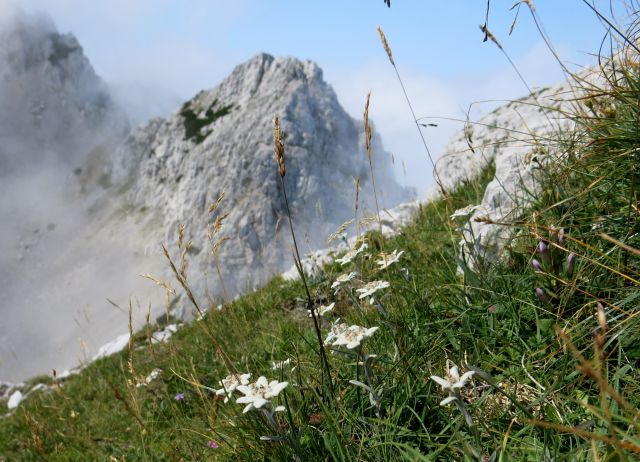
490 320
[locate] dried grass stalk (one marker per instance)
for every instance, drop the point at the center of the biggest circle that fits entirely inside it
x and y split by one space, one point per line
385 44
278 146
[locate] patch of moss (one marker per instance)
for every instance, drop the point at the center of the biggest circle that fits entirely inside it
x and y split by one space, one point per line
194 124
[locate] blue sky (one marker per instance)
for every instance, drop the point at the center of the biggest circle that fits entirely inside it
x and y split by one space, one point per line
162 48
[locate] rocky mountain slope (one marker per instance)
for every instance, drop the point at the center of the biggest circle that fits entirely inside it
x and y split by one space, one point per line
171 170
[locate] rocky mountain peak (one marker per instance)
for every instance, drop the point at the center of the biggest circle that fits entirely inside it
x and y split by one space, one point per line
221 140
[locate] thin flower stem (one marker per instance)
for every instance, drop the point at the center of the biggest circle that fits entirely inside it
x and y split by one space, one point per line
183 282
367 142
312 309
424 142
369 376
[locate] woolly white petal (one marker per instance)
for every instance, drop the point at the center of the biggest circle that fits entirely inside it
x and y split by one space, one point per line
280 409
247 408
463 380
353 344
276 389
447 400
371 331
466 376
440 381
244 389
259 402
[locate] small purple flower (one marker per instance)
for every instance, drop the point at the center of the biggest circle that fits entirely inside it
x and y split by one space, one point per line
571 263
536 265
543 250
179 397
212 444
542 296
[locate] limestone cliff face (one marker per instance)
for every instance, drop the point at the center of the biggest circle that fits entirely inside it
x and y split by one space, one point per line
54 107
221 140
520 137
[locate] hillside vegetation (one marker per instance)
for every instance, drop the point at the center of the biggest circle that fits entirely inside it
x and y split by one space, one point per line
532 357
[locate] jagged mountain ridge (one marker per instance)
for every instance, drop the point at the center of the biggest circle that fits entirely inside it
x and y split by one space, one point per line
221 140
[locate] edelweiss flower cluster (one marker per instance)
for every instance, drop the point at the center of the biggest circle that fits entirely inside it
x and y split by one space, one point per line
230 384
348 336
351 254
343 278
150 378
452 383
322 310
259 394
387 260
371 288
464 212
278 365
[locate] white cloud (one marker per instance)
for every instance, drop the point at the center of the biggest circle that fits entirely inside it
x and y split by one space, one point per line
434 97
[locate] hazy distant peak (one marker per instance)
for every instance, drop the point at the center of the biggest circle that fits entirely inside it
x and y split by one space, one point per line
54 105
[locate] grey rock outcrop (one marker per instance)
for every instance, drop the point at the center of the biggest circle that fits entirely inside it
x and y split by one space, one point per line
521 138
221 140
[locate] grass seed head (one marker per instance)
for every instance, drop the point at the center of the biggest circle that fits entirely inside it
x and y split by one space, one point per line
489 35
385 44
367 127
278 146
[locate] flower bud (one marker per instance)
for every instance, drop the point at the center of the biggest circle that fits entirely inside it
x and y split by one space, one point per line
536 265
545 254
571 263
542 296
602 318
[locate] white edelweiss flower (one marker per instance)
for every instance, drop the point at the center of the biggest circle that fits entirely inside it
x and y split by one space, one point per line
276 366
259 394
343 278
464 212
322 310
351 254
387 260
337 328
231 383
150 378
347 336
371 288
452 383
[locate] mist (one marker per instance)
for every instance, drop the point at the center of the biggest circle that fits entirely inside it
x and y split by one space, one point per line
59 264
